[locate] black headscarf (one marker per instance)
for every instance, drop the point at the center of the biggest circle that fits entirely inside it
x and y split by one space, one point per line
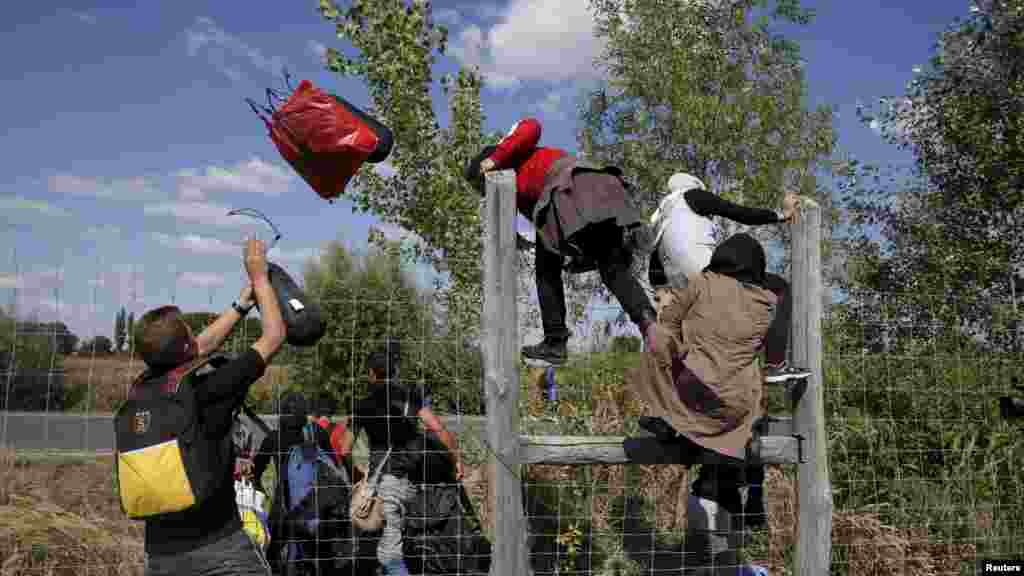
741 257
293 411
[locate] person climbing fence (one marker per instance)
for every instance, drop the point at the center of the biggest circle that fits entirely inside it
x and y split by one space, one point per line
583 214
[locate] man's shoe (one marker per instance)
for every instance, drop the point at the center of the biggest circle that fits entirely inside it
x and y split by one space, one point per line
550 351
661 429
774 374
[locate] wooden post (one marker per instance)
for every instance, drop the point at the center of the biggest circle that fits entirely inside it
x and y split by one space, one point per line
500 331
814 527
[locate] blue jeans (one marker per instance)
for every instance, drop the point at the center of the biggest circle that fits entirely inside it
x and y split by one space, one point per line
235 555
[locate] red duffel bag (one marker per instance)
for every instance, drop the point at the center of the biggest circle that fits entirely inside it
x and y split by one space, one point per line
323 140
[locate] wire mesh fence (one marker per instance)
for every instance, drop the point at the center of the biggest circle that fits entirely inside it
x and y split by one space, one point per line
925 472
64 376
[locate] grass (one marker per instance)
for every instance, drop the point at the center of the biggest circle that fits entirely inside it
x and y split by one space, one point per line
98 385
898 510
60 517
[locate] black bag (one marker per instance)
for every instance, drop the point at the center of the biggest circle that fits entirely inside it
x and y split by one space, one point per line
443 534
163 463
303 318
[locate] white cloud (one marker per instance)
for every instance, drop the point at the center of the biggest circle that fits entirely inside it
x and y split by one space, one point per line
253 176
135 188
84 17
203 279
197 212
396 233
301 255
520 45
197 244
551 105
12 204
35 281
220 47
318 50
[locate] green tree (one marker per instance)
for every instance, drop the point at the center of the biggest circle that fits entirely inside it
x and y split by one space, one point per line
130 330
367 300
120 327
709 89
955 225
396 45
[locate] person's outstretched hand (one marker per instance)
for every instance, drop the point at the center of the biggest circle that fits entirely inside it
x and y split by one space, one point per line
791 208
460 471
486 166
246 298
256 260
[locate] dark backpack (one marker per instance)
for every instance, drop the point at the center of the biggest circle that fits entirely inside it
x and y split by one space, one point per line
443 534
315 493
163 463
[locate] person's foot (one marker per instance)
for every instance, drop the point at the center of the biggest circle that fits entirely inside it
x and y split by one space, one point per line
548 350
776 373
661 429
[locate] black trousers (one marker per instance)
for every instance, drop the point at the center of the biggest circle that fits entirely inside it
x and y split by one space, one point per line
604 243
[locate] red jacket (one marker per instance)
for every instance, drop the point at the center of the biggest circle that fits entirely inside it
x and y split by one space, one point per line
519 151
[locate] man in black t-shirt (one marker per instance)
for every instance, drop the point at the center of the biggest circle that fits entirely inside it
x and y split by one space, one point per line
208 538
389 417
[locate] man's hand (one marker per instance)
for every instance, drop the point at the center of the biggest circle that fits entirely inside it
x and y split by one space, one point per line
460 470
791 208
486 166
256 260
245 297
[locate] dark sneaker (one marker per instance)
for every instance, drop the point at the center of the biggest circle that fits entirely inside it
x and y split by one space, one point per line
661 430
774 374
549 351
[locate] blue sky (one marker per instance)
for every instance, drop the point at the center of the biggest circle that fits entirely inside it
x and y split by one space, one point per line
127 138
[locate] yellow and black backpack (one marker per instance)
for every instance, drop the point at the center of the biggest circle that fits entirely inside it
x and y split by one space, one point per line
163 464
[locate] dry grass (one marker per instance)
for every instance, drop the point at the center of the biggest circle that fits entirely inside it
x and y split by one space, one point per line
64 519
107 379
862 543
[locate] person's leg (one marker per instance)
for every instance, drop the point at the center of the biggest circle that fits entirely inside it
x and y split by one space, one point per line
551 296
754 514
604 242
711 537
394 492
777 369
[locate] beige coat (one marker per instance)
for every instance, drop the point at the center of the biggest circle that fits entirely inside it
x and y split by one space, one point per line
713 331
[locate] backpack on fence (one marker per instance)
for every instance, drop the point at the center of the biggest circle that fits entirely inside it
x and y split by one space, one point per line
324 138
162 464
315 491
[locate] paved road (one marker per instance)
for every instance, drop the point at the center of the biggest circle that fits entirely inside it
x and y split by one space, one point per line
95 432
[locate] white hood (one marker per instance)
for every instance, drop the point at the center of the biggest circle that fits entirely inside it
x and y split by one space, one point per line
680 183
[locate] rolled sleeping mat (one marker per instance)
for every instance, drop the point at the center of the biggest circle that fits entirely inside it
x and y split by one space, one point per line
303 318
385 139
